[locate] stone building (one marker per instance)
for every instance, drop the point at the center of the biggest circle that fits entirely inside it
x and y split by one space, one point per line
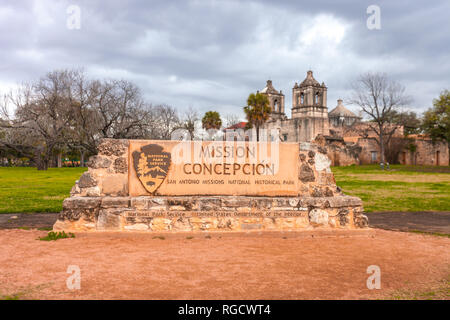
347 137
309 111
341 116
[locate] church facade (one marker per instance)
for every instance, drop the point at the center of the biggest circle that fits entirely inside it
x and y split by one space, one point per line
337 129
309 113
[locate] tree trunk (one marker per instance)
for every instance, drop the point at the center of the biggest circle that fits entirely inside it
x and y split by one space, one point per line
257 133
41 163
59 161
44 160
82 158
382 160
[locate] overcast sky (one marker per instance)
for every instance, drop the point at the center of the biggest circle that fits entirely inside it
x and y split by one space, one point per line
212 54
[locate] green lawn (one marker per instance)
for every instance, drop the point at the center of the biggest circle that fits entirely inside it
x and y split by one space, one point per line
30 190
402 188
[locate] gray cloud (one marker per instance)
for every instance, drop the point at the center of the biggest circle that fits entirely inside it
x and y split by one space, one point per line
211 54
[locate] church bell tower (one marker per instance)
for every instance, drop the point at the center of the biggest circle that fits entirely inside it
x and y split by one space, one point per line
309 107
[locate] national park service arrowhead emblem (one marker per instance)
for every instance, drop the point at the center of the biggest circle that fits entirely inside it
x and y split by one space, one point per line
151 165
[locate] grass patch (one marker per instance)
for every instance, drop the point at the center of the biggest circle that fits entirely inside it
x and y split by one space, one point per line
439 292
431 233
45 229
53 236
11 297
402 188
29 190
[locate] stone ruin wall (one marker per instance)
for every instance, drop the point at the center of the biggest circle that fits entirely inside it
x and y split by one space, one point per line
99 201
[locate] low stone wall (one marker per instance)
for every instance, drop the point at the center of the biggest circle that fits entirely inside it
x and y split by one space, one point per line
218 213
101 200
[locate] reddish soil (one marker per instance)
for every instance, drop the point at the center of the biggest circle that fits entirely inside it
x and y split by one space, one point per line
246 266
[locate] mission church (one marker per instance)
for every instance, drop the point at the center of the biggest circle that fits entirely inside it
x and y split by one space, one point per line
337 129
310 116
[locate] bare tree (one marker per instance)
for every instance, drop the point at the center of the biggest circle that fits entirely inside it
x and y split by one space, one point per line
189 122
378 97
231 119
167 121
64 111
108 109
43 114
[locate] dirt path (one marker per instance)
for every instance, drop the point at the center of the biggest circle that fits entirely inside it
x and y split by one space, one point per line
409 221
276 266
27 220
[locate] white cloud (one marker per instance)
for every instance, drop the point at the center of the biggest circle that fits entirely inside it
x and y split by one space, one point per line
214 53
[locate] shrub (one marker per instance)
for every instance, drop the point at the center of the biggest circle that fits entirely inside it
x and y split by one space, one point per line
53 236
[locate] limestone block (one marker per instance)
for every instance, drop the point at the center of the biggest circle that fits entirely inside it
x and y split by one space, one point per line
227 224
62 225
318 217
87 180
306 174
269 223
202 224
261 203
140 203
90 192
302 222
343 217
115 202
160 224
322 162
182 203
79 225
81 203
181 224
97 162
360 220
121 165
115 185
345 201
109 147
233 202
210 204
75 190
109 219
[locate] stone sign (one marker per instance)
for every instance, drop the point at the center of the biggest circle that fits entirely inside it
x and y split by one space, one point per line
213 168
169 186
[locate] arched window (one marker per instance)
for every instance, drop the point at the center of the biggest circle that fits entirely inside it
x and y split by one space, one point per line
316 100
275 105
302 98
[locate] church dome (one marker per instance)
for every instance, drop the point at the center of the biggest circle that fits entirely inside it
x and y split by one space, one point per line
341 111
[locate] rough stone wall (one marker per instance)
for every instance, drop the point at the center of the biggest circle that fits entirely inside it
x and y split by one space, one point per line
107 173
426 153
340 152
215 213
368 145
100 201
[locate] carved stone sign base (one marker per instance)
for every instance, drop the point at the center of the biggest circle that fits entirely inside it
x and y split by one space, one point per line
215 213
136 185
